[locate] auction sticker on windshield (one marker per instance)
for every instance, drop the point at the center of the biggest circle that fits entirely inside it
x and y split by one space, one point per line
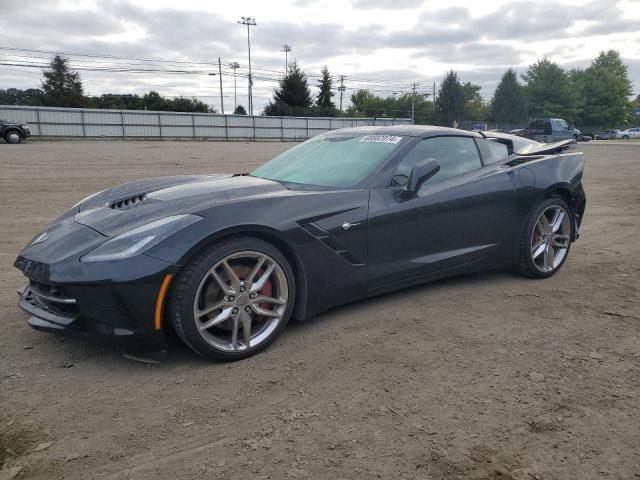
380 139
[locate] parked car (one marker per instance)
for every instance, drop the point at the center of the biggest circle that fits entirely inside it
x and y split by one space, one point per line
14 132
227 260
629 133
605 135
548 130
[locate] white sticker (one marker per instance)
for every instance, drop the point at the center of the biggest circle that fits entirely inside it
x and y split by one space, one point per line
380 139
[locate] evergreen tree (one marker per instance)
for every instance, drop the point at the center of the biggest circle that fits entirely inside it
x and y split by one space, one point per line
292 96
605 90
451 100
62 87
550 91
239 110
325 85
509 104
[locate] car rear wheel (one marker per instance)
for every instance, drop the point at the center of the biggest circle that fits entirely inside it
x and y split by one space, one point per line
13 137
546 239
625 137
234 299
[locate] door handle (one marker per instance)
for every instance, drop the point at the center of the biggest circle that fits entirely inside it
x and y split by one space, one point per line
347 225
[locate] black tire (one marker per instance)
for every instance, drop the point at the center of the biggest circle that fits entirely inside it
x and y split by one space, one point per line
575 138
13 137
525 264
625 137
181 301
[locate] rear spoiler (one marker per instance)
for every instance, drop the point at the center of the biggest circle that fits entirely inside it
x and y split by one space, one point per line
525 146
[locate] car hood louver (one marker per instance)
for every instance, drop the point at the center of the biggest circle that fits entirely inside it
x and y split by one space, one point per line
127 203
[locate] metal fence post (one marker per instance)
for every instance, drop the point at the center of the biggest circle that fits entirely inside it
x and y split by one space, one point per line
193 125
253 118
124 133
38 120
307 119
282 129
160 124
226 127
84 131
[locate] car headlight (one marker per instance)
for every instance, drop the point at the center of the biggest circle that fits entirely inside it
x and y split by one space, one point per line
139 239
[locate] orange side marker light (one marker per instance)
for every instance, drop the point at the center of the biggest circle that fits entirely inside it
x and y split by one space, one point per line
160 301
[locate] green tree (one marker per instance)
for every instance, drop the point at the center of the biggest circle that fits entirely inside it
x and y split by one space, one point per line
509 104
450 104
239 110
550 91
475 107
292 96
323 100
15 96
605 89
61 86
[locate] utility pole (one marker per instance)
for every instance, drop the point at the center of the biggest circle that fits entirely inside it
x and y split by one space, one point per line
434 97
221 104
286 49
413 105
220 78
235 66
341 89
249 22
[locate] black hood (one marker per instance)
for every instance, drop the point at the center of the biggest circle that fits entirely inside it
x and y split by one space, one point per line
119 209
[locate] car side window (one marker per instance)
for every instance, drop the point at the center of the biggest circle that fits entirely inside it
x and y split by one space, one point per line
456 155
564 124
492 151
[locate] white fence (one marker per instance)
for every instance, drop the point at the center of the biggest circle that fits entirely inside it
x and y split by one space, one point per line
132 124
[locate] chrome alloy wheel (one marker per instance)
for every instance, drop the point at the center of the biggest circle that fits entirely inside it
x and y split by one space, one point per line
244 291
550 238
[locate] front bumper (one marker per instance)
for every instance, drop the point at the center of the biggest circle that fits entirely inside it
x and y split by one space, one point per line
121 313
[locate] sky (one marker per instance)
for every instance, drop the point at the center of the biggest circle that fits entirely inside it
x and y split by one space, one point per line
382 45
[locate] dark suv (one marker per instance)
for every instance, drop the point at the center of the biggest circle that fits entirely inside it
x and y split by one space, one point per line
14 132
550 130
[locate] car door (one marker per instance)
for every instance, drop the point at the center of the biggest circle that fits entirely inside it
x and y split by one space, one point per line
462 215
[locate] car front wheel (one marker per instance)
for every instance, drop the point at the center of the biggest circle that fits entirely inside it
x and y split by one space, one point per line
13 137
234 299
546 239
625 137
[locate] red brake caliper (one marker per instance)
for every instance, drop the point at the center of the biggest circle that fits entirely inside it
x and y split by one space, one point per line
536 236
267 291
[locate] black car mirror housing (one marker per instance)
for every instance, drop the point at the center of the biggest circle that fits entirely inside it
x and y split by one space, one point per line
420 173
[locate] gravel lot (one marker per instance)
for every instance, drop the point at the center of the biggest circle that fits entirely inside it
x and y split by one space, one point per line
488 376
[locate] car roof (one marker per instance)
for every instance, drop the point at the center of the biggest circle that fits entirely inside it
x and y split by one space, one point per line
422 131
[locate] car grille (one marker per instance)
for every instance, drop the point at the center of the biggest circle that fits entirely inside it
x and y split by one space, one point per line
52 298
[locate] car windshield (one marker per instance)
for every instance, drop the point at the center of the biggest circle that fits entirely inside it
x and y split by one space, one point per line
336 161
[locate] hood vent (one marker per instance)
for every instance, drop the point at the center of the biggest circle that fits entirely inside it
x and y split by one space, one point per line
127 203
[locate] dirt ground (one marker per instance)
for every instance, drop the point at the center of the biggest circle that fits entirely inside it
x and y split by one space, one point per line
488 376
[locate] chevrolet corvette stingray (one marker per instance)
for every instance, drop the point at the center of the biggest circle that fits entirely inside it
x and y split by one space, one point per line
227 260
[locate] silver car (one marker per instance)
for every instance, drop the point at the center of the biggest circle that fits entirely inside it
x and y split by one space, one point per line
629 133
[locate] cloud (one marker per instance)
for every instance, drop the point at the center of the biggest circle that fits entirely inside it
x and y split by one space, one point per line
387 4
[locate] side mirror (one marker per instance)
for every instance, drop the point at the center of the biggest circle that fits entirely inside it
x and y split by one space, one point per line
421 172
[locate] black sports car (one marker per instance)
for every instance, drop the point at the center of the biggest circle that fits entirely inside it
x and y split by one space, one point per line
227 260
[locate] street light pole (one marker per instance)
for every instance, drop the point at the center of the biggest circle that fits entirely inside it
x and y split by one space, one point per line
249 22
235 66
286 49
